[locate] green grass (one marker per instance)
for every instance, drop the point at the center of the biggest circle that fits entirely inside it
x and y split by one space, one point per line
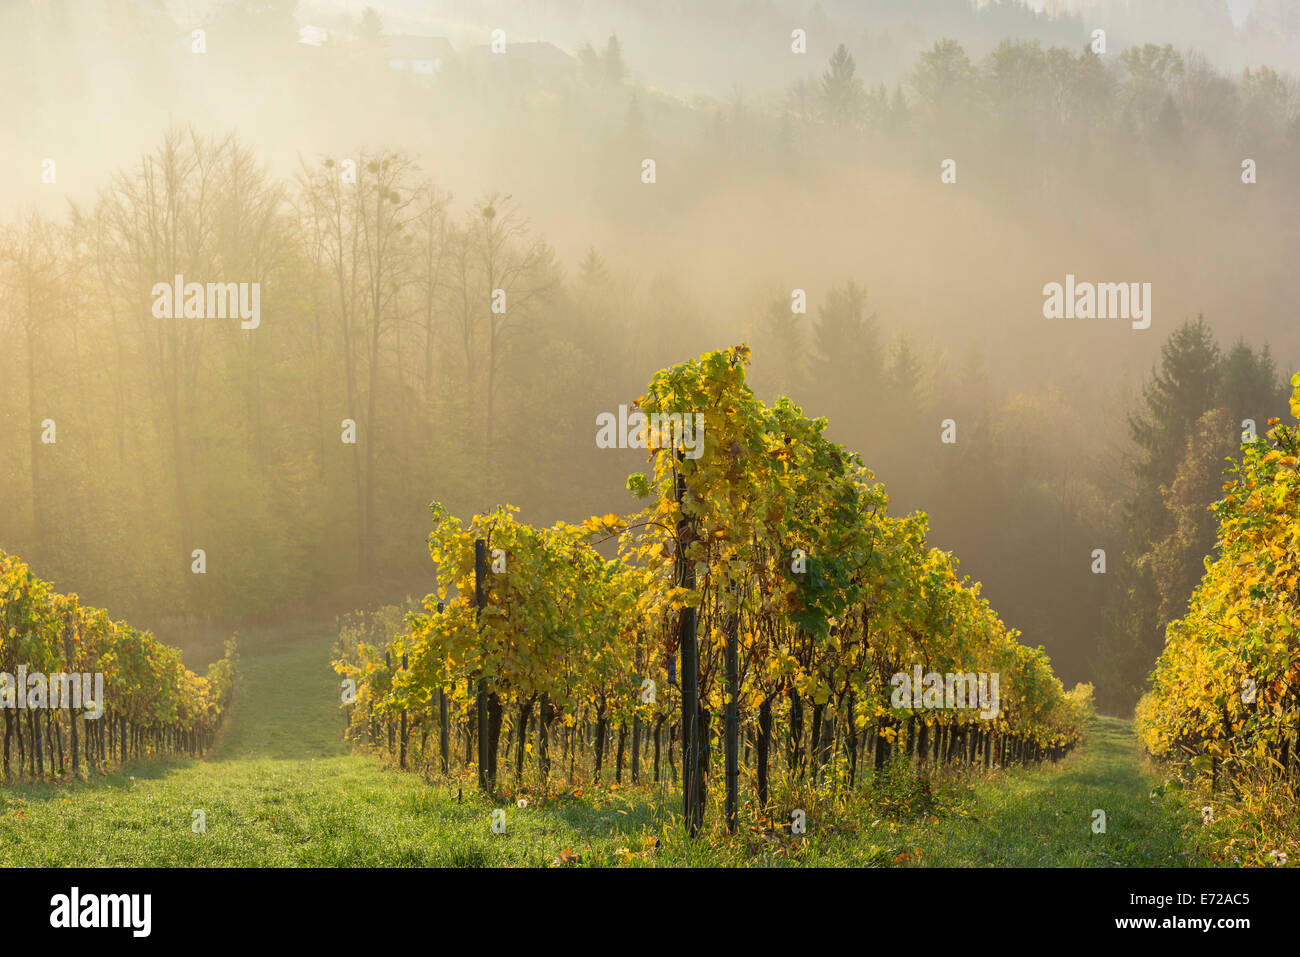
281 789
1043 818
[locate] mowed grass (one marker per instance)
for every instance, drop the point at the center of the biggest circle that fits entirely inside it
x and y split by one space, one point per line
281 789
1045 817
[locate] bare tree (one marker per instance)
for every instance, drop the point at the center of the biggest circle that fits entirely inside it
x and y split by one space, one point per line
357 229
32 273
499 259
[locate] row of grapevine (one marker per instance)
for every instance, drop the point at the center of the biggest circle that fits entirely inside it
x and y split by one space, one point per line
1225 697
151 702
763 590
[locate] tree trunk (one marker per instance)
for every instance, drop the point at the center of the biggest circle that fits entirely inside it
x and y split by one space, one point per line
796 731
444 735
764 744
34 725
814 744
882 747
702 764
601 722
494 738
636 749
659 724
543 740
731 730
525 712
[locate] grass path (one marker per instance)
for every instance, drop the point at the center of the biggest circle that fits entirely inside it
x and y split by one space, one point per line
1044 818
281 789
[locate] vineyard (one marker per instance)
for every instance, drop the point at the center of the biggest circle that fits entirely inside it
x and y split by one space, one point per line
770 437
1225 702
148 703
763 605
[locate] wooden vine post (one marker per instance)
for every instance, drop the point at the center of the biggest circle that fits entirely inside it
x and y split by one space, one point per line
402 760
692 806
480 573
444 731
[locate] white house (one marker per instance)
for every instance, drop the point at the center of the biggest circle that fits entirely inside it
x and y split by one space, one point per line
418 54
313 36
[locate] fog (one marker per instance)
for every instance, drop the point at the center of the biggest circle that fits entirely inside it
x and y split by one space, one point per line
774 171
